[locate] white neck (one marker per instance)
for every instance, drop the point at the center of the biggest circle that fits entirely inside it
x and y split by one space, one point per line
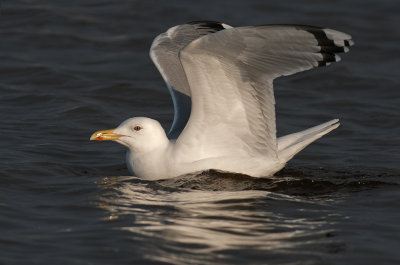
151 164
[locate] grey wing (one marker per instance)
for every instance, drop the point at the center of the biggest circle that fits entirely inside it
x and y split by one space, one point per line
230 75
165 54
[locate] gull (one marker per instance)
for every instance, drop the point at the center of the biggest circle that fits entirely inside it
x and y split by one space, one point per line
221 82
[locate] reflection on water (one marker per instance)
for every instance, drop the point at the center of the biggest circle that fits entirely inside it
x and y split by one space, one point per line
175 223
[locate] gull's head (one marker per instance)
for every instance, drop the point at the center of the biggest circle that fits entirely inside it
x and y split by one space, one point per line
139 134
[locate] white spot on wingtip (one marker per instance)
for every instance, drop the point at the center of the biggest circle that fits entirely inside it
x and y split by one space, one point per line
339 43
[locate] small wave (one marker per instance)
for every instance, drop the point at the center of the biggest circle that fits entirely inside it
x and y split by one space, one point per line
290 181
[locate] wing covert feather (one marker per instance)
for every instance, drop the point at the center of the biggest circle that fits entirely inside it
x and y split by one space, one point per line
230 75
165 54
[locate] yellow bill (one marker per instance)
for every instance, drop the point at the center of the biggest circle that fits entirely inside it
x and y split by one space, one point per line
105 135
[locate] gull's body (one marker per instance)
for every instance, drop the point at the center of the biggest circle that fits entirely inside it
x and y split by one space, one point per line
220 79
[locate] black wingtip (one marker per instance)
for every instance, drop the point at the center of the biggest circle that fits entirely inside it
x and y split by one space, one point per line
208 24
328 46
332 49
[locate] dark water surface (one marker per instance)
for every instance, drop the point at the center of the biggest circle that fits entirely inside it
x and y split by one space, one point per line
69 68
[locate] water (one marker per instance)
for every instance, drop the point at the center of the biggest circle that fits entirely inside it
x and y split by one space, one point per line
69 68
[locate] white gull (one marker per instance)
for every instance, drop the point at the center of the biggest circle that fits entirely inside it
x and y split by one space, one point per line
220 79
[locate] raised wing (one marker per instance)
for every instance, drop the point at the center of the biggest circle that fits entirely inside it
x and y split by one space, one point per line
230 74
165 54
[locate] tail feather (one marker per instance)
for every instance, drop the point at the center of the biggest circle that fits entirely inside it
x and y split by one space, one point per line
291 144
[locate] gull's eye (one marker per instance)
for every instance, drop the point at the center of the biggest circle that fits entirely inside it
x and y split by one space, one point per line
137 128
